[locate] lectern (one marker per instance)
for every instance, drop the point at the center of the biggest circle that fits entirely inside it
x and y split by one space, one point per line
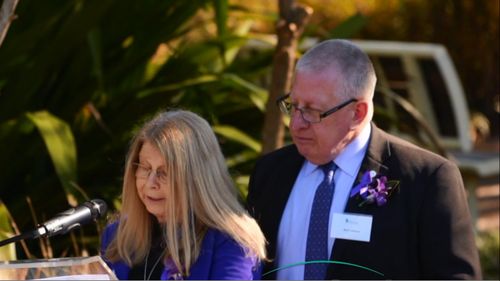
79 268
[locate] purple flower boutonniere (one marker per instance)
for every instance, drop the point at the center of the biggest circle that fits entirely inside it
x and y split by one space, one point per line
374 188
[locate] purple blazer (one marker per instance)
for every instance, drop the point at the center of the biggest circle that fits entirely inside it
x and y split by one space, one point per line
221 257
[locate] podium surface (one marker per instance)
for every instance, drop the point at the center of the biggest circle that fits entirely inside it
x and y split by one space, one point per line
76 268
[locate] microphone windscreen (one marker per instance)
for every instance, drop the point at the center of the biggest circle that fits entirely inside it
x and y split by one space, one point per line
100 206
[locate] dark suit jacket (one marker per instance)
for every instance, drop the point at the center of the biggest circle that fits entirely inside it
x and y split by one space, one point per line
221 258
423 232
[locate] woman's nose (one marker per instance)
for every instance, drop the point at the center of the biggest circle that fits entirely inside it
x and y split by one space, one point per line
153 180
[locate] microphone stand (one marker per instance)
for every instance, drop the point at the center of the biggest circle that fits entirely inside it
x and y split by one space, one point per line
16 238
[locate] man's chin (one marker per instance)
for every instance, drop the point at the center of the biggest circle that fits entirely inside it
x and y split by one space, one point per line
307 153
312 156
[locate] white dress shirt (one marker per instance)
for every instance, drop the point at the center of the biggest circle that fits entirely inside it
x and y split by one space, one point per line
292 233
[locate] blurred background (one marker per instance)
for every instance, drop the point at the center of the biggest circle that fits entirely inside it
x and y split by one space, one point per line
77 77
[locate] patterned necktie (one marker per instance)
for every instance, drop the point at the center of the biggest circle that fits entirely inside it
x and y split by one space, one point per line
317 236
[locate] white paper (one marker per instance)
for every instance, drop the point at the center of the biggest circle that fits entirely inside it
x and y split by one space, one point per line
78 277
351 226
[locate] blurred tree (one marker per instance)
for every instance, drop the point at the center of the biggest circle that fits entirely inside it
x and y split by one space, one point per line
7 15
291 24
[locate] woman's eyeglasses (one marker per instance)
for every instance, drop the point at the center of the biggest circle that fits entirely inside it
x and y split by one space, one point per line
144 172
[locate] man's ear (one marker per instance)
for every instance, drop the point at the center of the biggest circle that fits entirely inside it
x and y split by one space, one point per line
360 112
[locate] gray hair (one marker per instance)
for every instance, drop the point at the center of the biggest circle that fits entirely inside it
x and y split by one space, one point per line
346 59
201 191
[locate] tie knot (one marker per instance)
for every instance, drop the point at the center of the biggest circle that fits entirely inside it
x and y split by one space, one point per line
328 167
328 171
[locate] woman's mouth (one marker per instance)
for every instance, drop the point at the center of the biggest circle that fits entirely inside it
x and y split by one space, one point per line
155 199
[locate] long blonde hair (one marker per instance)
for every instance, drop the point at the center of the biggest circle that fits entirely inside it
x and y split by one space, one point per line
202 195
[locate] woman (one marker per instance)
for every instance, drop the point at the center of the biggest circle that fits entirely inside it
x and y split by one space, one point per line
180 217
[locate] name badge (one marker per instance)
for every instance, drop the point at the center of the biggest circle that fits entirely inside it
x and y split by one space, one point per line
351 226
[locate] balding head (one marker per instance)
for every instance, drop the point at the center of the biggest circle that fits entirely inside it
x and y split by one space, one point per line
342 58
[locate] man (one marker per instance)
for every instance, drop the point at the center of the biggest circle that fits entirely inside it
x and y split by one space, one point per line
349 201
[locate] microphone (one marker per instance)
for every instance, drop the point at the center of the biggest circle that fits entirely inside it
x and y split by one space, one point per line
72 218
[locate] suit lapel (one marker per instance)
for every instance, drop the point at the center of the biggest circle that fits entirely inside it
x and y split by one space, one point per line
377 154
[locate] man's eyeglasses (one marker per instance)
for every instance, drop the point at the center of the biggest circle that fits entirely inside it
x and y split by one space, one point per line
144 172
309 115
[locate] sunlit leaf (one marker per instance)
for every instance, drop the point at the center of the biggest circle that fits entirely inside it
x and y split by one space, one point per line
60 143
242 184
237 135
234 44
7 252
176 86
241 157
257 94
156 62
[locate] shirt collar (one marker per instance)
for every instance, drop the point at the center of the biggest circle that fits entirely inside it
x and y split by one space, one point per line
351 157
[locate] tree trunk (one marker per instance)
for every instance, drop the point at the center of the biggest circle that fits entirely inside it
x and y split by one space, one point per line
293 18
6 17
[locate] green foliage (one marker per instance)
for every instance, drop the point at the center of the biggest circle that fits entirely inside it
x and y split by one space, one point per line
78 77
61 146
238 136
489 251
349 27
7 252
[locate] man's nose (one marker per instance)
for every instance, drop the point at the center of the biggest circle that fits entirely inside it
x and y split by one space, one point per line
297 121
